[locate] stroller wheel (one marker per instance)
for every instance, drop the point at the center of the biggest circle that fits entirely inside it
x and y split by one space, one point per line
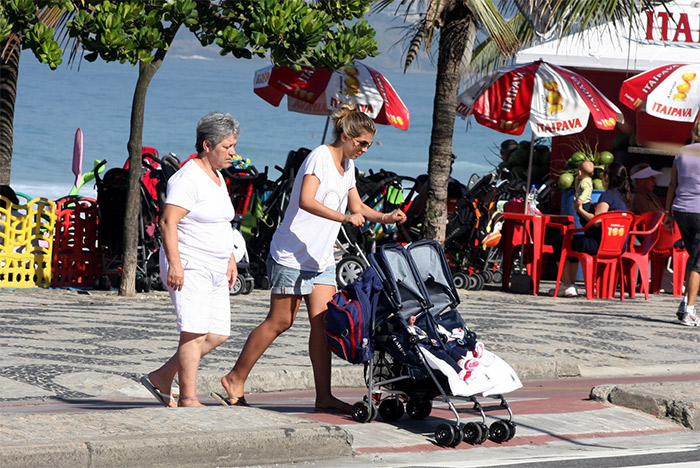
461 280
479 281
419 409
237 287
471 433
362 411
444 435
391 409
458 436
487 275
249 284
262 282
348 269
499 431
104 283
498 276
511 426
484 433
143 284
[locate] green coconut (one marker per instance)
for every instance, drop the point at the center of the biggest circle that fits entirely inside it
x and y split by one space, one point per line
578 157
566 180
606 157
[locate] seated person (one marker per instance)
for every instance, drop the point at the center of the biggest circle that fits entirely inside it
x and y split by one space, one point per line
507 147
644 181
645 200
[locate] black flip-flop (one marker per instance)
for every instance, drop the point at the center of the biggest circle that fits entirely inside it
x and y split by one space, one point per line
226 401
163 398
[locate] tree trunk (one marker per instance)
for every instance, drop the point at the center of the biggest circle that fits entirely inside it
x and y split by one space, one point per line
132 214
456 35
9 72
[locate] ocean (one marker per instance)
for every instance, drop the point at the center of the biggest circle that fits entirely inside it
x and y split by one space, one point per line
96 97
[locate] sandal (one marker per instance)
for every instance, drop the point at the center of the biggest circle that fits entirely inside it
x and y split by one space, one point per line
163 398
226 401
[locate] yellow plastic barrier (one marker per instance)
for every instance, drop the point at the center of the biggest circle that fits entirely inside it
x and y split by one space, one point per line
26 242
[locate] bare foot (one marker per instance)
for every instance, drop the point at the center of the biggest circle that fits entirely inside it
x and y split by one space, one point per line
233 389
189 402
163 387
332 405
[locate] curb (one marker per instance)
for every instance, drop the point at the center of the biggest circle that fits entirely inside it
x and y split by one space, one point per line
181 443
672 400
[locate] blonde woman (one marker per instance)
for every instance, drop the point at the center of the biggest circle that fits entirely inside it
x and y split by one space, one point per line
301 263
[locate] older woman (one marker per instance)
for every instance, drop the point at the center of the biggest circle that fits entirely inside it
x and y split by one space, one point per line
197 257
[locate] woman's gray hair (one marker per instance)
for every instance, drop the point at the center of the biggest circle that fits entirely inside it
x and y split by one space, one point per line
214 127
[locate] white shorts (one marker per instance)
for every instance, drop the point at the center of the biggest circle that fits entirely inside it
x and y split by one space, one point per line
203 304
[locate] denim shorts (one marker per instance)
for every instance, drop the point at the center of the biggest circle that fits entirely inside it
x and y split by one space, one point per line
286 280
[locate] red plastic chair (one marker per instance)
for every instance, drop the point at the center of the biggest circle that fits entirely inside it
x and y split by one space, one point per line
600 270
659 255
535 250
647 230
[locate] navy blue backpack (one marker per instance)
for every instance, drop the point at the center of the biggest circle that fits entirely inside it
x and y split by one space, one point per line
349 318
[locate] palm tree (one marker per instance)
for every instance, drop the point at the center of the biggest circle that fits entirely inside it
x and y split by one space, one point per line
9 68
52 17
458 22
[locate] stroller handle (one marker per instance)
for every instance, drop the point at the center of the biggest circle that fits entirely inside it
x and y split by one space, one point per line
96 170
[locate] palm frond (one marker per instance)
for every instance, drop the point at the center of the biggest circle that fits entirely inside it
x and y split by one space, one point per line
416 42
433 20
487 57
495 25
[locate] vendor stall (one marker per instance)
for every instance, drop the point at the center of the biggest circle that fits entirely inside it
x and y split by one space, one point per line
608 55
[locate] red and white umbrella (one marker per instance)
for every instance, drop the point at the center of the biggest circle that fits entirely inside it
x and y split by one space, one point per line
320 92
554 100
670 92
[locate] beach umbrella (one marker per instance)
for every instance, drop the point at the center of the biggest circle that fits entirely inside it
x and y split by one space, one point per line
320 92
78 156
553 100
670 92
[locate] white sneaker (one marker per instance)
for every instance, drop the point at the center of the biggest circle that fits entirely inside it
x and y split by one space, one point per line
681 309
564 291
690 320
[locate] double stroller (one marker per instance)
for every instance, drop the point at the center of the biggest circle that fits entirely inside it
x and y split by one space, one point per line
423 350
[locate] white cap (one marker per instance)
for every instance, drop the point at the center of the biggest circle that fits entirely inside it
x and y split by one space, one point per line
644 173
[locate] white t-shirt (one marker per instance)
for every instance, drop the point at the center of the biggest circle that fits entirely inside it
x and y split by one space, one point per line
303 240
205 231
